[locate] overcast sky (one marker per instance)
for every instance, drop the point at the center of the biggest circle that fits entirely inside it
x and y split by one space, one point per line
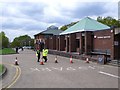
20 17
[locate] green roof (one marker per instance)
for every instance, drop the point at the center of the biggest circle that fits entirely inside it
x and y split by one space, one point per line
52 31
86 24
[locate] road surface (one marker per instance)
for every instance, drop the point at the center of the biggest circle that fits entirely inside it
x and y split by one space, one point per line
30 74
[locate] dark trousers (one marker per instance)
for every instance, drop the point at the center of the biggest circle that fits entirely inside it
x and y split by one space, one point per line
45 58
38 58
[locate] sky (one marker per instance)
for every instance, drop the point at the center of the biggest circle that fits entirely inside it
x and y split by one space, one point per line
21 17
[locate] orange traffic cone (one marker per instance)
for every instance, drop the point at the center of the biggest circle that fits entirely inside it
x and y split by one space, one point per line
71 61
41 62
16 61
87 60
56 59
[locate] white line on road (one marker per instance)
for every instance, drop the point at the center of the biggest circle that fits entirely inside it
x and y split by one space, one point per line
91 67
108 74
70 68
60 69
35 69
44 69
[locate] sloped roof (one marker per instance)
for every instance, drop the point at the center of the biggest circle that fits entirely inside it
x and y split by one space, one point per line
53 30
86 24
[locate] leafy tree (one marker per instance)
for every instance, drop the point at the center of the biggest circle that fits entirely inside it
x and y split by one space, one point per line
64 27
21 41
109 21
68 25
4 41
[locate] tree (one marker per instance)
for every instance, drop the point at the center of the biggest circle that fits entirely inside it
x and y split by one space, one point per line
21 41
64 27
109 21
68 25
4 41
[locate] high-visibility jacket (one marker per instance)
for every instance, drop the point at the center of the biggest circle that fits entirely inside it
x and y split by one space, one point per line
45 52
38 53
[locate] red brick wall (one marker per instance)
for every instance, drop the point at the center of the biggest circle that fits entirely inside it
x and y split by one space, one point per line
50 42
47 43
62 43
88 42
104 40
72 42
54 43
57 42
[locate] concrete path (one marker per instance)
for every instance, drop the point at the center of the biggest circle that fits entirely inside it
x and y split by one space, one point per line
30 74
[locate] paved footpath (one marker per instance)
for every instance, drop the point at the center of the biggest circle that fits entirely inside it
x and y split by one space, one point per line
30 74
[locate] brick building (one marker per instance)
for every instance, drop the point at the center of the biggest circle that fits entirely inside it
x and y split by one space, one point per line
92 38
87 37
48 37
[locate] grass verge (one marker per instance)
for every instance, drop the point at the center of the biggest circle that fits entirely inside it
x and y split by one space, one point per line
1 68
7 51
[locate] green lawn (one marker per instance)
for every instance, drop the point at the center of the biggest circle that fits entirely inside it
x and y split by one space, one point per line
1 68
7 51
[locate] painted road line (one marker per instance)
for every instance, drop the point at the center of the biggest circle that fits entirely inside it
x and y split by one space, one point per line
70 68
18 73
91 67
34 69
108 74
15 78
60 69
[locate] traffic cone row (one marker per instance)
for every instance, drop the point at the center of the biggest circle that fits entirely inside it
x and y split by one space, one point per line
41 61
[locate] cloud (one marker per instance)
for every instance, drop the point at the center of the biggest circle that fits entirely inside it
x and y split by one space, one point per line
95 8
112 9
119 10
22 23
35 15
16 33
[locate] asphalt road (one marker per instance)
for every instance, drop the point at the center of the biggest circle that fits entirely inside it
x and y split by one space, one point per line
30 74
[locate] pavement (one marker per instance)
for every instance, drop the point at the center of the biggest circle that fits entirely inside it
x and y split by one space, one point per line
30 74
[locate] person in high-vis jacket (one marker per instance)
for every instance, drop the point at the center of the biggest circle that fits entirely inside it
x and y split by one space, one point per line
38 55
44 54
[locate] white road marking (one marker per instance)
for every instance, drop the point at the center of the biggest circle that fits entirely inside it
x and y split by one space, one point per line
64 68
70 68
43 69
91 67
35 69
108 74
60 69
83 68
79 67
